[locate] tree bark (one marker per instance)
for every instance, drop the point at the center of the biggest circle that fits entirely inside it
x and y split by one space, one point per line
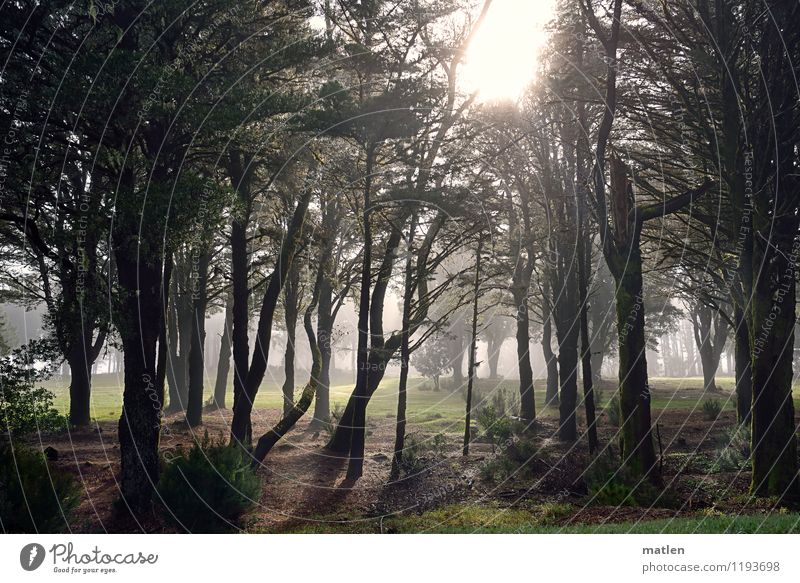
473 346
744 375
199 294
290 312
224 362
405 356
241 429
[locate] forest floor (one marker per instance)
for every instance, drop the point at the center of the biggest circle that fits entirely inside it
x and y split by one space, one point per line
487 491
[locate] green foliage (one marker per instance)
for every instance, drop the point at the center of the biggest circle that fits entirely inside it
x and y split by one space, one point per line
734 454
336 415
711 409
34 498
610 484
24 407
515 459
209 488
420 451
432 359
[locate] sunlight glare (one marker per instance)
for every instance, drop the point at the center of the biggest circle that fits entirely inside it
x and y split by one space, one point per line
501 59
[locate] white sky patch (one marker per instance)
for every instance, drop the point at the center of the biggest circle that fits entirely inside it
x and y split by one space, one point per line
501 60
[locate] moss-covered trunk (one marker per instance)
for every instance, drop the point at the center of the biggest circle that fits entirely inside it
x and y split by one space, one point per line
636 439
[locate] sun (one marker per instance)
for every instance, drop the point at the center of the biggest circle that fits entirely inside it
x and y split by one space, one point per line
501 59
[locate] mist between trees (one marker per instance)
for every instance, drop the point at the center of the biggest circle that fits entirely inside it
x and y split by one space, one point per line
205 199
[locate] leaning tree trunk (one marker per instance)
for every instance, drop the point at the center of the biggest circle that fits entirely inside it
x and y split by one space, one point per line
194 400
290 418
241 427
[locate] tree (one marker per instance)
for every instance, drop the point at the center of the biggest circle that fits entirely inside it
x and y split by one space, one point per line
432 360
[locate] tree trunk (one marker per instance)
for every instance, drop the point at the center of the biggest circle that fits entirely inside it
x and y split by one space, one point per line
774 449
224 363
140 423
322 404
241 428
551 362
744 376
199 282
405 356
473 347
527 402
638 451
240 179
80 384
290 309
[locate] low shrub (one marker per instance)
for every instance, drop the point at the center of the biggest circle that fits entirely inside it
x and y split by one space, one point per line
24 407
34 498
610 484
209 488
711 409
734 452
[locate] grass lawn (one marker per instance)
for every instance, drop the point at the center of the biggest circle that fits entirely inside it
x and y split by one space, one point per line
551 519
435 411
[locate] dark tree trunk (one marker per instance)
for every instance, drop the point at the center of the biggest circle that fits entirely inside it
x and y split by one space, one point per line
473 347
224 363
140 423
494 346
241 428
199 280
527 402
405 356
240 179
744 376
774 449
371 316
80 383
290 311
638 451
551 362
322 404
290 418
377 359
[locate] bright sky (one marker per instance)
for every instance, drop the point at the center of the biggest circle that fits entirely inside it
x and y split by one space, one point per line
501 60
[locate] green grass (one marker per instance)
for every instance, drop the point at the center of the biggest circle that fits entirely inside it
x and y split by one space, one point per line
548 519
426 408
434 411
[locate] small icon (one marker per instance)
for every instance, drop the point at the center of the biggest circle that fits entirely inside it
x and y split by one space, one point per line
31 556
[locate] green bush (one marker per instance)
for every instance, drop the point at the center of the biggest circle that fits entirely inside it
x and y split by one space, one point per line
496 427
515 459
34 498
611 485
734 453
24 407
209 488
711 409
